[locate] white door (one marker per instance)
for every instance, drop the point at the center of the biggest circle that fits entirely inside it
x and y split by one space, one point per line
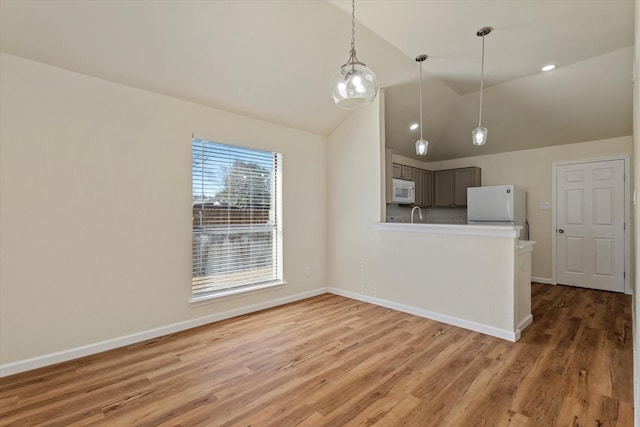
590 225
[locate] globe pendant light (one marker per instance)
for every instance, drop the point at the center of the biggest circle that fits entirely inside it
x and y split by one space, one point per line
479 134
422 145
354 85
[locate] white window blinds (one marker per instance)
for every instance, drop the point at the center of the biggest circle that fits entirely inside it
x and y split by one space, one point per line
236 217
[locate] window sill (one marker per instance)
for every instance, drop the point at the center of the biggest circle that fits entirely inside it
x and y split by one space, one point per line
234 293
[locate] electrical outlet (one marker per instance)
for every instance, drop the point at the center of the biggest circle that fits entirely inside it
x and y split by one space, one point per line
307 271
543 205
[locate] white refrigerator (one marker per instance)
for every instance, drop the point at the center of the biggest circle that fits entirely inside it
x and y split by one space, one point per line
498 204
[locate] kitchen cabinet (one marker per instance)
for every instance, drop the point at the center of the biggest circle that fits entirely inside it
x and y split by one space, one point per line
445 188
407 172
463 179
442 187
397 171
416 176
427 189
450 186
402 172
388 174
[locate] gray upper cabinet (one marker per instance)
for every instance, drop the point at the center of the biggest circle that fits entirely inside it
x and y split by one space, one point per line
417 177
445 188
397 171
427 189
463 179
388 174
450 186
407 172
442 187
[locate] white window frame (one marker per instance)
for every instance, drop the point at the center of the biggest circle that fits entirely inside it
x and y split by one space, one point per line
274 223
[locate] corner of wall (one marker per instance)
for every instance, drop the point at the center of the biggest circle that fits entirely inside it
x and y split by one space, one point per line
354 174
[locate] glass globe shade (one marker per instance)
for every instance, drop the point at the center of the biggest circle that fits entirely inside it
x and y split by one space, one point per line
422 145
353 86
479 135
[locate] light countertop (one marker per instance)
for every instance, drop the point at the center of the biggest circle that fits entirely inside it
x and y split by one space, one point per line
510 231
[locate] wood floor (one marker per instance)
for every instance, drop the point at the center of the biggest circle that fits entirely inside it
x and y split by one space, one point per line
332 361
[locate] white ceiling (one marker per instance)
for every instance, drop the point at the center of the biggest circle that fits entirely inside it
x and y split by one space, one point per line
273 60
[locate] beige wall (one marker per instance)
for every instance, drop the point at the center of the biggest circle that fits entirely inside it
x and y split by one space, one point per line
532 171
95 208
354 177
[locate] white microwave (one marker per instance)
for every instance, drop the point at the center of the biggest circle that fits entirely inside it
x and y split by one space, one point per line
403 192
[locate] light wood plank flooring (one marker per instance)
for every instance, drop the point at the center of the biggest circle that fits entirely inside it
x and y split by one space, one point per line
332 361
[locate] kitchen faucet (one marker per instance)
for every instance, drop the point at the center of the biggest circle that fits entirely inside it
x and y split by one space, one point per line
419 213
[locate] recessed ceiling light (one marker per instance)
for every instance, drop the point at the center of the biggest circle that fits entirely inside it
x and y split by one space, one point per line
413 126
548 67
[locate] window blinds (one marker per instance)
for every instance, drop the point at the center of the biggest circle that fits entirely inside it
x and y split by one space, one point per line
236 217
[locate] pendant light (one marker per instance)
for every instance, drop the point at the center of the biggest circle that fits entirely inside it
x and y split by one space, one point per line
422 145
354 85
479 134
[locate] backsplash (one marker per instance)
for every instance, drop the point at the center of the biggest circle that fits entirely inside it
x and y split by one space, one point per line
398 213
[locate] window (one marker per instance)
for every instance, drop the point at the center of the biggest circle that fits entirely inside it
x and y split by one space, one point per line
236 218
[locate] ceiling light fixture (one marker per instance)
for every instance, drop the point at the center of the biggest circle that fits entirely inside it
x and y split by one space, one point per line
413 126
354 85
548 67
422 145
479 134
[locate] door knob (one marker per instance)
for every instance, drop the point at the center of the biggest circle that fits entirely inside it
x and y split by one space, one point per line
560 230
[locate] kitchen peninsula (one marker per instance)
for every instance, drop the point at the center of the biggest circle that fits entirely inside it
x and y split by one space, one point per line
473 276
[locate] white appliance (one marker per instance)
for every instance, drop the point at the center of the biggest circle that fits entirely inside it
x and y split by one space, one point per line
403 192
499 204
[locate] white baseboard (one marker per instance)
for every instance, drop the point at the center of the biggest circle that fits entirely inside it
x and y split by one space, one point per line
521 327
450 320
546 281
74 353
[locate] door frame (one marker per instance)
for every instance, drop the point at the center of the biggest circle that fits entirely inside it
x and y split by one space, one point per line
627 215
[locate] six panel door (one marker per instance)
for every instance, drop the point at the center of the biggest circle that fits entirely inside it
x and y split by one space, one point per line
590 225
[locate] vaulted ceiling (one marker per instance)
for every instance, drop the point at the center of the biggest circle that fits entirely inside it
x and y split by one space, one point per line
273 60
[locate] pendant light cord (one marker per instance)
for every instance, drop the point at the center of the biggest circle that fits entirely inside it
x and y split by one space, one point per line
421 100
353 59
481 82
353 27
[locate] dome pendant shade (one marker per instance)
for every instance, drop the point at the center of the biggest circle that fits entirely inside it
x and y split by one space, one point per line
422 146
479 136
353 86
